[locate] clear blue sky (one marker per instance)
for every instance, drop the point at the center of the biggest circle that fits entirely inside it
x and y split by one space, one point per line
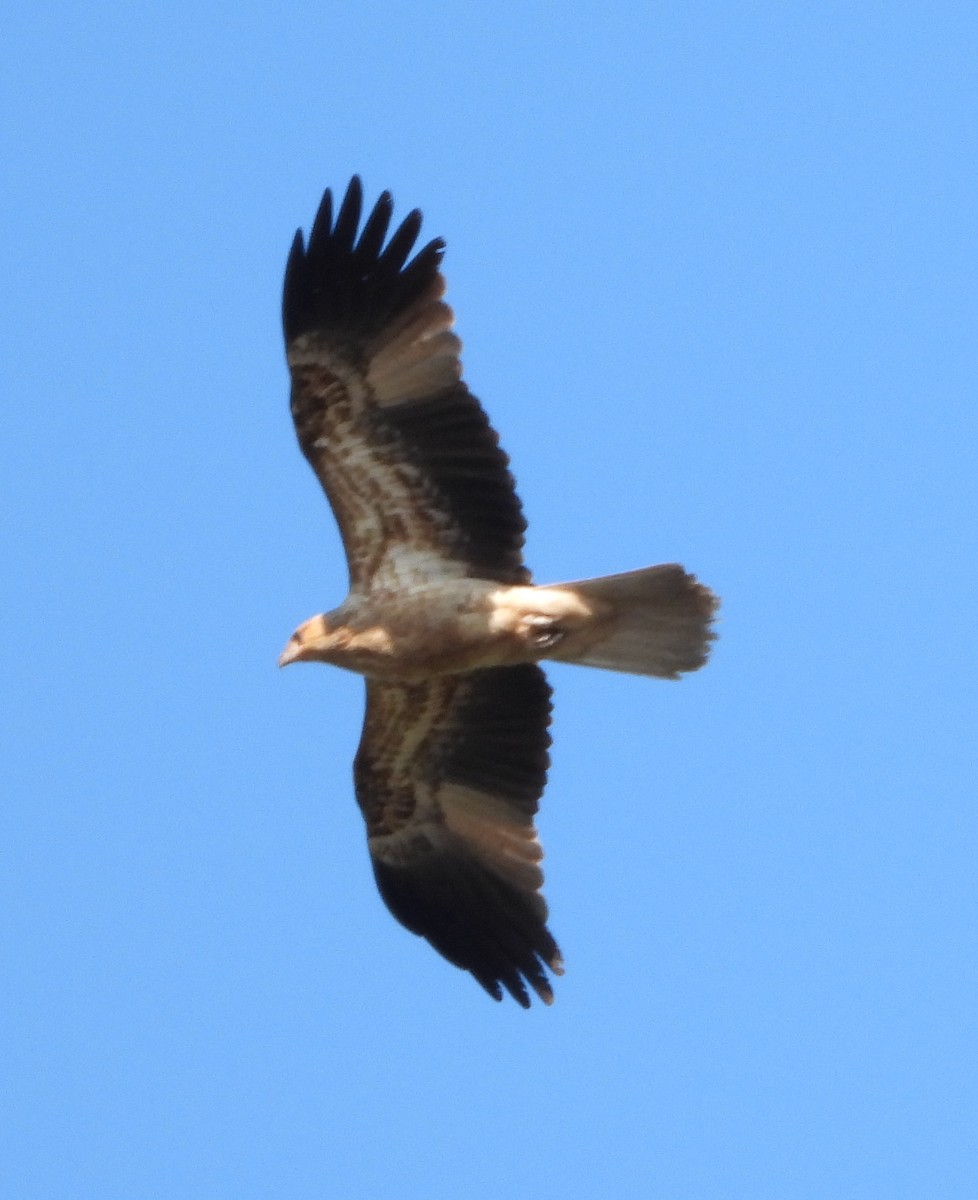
714 266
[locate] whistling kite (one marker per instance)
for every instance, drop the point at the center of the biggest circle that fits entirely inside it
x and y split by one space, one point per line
442 618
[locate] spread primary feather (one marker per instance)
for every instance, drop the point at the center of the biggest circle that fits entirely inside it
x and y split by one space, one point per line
441 617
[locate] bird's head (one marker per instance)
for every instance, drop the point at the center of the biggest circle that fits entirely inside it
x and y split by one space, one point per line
313 641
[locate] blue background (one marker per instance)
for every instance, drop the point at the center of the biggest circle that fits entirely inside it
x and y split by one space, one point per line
714 266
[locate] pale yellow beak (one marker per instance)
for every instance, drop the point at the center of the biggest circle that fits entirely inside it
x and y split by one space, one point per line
302 644
292 652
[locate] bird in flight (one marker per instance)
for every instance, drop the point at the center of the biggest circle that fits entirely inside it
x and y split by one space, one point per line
442 618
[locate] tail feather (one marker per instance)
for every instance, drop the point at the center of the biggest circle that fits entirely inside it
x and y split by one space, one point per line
655 621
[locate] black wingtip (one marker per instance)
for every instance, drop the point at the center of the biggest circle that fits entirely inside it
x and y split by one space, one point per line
293 265
337 282
348 218
478 922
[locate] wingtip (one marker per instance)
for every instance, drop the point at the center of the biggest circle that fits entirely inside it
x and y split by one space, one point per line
344 275
348 218
292 285
544 992
541 989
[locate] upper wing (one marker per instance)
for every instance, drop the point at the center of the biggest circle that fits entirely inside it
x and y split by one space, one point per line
448 775
403 450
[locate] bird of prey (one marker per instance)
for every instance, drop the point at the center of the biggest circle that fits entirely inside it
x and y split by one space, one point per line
442 618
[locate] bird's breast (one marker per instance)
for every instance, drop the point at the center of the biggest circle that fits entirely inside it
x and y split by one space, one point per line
415 635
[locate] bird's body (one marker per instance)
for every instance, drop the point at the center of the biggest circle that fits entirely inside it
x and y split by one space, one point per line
442 617
433 629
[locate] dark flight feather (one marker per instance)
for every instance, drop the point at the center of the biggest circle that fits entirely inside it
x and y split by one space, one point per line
469 886
343 305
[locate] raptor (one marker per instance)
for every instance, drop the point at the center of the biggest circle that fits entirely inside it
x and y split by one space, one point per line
442 618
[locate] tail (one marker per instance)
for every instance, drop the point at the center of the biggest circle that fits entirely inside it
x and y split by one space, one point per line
650 622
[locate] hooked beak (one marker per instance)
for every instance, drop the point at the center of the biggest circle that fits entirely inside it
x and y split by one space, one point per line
302 644
292 652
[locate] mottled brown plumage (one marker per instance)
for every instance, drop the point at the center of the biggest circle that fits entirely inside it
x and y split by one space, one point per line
441 616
